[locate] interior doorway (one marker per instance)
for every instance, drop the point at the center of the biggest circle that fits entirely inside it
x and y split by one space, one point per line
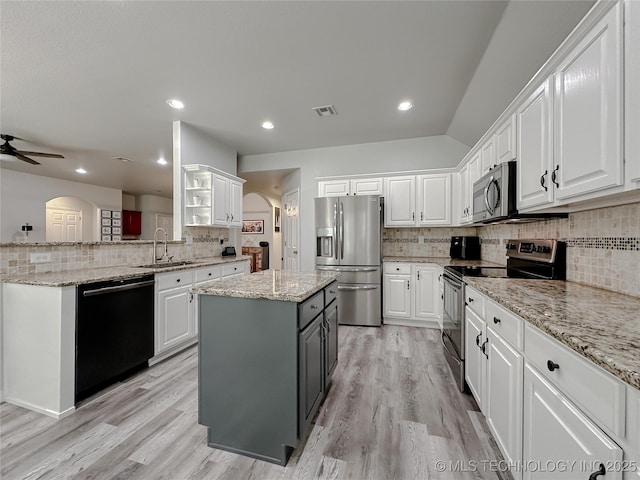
292 231
70 219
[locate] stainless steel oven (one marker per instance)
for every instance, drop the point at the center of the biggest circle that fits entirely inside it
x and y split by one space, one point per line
453 325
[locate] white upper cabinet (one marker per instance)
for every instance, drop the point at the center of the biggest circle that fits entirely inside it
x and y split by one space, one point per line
367 186
534 133
505 139
588 111
488 154
632 90
334 188
358 186
211 197
400 201
434 199
463 195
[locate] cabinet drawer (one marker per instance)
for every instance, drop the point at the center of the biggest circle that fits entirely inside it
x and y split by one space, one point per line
596 391
174 279
507 324
208 273
232 269
330 293
474 300
397 268
309 309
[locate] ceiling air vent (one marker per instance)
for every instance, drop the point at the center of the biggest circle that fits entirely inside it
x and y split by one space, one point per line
325 110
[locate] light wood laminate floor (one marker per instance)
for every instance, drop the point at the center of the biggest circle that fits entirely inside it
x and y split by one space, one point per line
393 413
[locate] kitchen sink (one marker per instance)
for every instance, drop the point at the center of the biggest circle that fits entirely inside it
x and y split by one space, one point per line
166 264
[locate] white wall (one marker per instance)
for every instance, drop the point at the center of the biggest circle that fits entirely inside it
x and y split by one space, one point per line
128 202
150 205
23 197
378 157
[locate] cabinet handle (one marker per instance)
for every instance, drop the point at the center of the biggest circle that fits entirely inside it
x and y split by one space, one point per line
554 176
178 280
232 217
478 339
413 216
484 348
408 285
470 300
332 292
542 180
421 216
551 365
398 269
597 473
496 320
418 274
313 307
209 273
190 297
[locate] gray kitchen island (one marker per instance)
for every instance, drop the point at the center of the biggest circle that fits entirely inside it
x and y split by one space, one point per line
268 344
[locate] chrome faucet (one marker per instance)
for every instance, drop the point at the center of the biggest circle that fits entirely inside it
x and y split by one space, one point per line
165 256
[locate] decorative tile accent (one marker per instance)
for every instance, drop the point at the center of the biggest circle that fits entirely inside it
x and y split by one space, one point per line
609 243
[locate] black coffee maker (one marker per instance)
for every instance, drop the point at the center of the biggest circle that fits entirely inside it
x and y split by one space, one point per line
465 248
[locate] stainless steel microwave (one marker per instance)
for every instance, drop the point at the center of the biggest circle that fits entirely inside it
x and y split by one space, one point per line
494 194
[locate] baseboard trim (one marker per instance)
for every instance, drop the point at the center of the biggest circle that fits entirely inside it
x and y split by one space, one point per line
44 411
411 322
170 353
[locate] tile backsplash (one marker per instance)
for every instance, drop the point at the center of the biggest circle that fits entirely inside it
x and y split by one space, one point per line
14 258
603 245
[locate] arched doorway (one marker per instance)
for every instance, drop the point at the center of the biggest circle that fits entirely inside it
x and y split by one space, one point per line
69 219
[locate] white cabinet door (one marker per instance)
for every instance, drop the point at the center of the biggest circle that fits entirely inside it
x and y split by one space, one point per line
475 172
235 203
367 186
463 195
504 396
632 92
435 200
506 141
427 291
475 365
175 318
397 295
220 197
488 154
555 431
534 124
400 201
333 188
588 111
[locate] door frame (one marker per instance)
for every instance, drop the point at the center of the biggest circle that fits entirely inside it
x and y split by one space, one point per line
287 225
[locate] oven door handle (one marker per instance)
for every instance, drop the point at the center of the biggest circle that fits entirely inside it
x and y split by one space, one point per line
342 287
454 356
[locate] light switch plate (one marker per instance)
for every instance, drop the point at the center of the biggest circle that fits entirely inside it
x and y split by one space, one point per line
40 257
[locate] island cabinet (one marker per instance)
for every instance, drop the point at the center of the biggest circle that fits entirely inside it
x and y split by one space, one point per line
264 364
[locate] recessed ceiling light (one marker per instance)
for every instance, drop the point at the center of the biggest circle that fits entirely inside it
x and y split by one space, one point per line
405 106
268 125
174 103
81 170
162 161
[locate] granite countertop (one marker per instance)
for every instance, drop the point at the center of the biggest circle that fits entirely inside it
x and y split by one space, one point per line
269 285
442 261
116 272
600 325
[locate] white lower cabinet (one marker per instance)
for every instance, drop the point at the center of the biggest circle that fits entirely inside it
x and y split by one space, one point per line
557 433
554 414
411 294
503 396
176 308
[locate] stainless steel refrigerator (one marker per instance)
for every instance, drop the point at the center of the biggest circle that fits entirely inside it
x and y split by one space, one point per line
349 241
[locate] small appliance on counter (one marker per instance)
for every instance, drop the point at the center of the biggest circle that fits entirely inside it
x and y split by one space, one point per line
531 259
229 252
465 248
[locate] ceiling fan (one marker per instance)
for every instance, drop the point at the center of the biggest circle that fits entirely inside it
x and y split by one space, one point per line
8 150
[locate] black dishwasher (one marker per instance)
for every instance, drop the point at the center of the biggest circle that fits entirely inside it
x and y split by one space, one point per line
114 331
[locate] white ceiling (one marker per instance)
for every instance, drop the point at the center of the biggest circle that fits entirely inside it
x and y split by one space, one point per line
90 79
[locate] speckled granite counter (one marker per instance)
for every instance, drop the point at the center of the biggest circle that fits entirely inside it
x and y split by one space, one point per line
600 325
270 285
117 272
442 261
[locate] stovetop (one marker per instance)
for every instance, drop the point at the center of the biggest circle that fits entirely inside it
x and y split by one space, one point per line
477 271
